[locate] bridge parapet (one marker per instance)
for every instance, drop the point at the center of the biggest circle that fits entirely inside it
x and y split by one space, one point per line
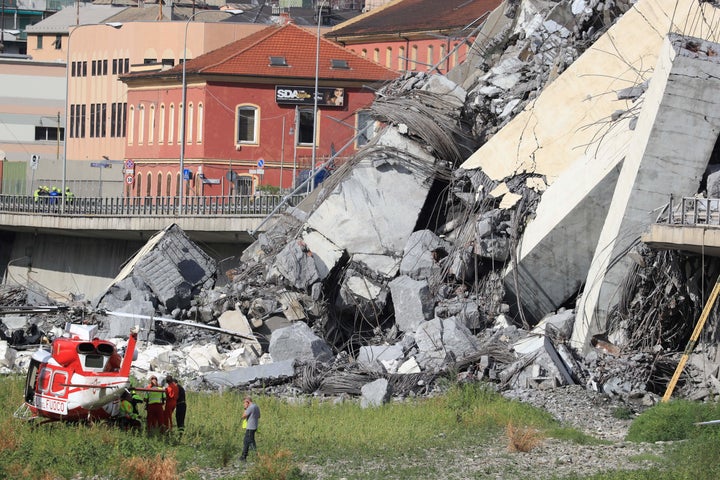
241 205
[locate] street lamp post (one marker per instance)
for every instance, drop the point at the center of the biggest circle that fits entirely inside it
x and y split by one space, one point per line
183 121
315 101
115 25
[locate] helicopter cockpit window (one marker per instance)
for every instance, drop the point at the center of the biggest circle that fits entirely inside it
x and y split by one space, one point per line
94 361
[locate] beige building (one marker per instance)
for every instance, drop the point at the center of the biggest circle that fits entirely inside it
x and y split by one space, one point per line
96 56
32 113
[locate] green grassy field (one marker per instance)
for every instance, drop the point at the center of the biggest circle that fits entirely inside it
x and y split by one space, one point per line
297 438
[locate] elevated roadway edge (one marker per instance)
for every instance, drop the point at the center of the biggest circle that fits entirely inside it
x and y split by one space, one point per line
701 239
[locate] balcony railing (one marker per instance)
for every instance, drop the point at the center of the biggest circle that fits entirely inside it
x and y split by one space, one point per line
693 211
245 205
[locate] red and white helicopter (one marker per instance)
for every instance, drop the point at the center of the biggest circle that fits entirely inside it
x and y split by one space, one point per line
80 378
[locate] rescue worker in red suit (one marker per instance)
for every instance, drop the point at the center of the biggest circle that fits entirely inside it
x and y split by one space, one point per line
154 400
172 392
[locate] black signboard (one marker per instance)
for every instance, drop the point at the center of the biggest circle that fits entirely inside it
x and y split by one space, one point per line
327 96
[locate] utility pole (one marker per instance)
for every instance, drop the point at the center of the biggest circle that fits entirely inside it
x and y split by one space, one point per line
2 28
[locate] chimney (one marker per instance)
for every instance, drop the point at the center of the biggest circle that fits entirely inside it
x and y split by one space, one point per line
285 18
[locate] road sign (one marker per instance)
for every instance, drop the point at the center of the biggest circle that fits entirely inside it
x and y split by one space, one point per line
34 160
100 165
256 171
129 180
129 164
261 163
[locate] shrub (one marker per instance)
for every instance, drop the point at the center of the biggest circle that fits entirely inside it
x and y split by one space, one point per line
157 468
522 439
275 466
670 421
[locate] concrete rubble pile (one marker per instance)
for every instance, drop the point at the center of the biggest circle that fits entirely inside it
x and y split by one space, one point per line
486 229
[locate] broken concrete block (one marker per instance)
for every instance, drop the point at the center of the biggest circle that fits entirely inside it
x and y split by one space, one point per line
325 253
297 266
375 394
412 302
15 322
152 355
244 356
349 219
384 265
418 261
361 294
203 358
409 366
443 340
369 356
172 266
561 322
7 355
243 376
298 342
236 321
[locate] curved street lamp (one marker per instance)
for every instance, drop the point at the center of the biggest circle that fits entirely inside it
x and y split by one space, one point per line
183 122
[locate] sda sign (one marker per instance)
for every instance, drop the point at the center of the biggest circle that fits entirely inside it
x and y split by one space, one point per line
327 96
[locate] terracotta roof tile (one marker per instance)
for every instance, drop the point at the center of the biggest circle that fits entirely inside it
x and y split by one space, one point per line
250 56
416 16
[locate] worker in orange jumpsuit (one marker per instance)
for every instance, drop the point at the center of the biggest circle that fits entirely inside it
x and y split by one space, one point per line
172 392
154 400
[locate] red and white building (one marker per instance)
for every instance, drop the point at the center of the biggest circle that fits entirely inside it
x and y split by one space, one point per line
249 116
415 35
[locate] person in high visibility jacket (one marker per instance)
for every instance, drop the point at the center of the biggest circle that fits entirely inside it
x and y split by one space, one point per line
171 396
128 418
154 400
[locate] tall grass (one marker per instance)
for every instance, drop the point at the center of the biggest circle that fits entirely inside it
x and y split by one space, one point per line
296 436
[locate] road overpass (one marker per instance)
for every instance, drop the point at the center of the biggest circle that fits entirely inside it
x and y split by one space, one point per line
76 248
204 219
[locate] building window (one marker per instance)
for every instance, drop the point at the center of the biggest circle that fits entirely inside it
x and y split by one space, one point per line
151 126
158 193
77 121
171 127
168 184
58 42
141 130
97 120
148 191
305 127
190 119
138 182
363 53
200 123
388 57
115 66
365 126
39 42
49 133
247 124
376 55
414 57
131 135
402 61
161 130
181 112
431 55
118 119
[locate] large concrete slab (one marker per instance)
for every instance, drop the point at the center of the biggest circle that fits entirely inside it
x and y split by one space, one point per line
374 209
674 139
558 245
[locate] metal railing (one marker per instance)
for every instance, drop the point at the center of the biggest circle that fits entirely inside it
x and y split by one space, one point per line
242 205
691 211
